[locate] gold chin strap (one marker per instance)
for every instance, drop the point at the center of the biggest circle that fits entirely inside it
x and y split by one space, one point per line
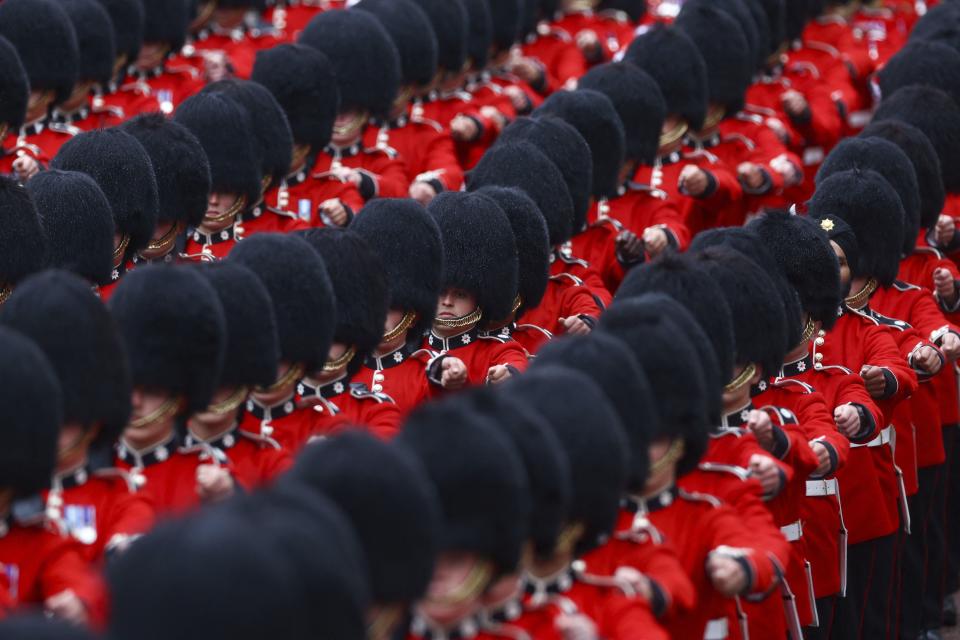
516 304
351 127
741 379
293 374
714 116
675 134
164 412
230 404
569 538
121 250
383 623
472 586
3 130
859 300
5 292
458 323
165 241
674 453
335 365
229 213
405 323
808 331
265 184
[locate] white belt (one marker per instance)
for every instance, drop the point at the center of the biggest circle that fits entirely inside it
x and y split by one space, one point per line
884 437
717 629
792 532
821 488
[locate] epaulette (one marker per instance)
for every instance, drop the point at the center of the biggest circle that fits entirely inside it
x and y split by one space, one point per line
833 368
115 473
742 139
360 391
259 439
436 126
816 45
900 285
655 192
560 277
283 212
927 249
700 153
803 66
64 128
791 385
536 328
187 69
696 496
618 16
544 30
389 151
744 116
605 220
784 416
496 337
714 467
736 432
567 257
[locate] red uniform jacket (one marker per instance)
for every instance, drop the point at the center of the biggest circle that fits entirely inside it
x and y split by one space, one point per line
287 423
640 206
566 297
302 192
443 107
479 353
161 89
403 375
427 151
558 55
240 47
290 19
564 262
383 172
613 28
344 403
263 219
597 245
255 459
211 247
41 141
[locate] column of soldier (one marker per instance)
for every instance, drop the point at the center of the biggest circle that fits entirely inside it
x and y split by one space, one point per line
446 319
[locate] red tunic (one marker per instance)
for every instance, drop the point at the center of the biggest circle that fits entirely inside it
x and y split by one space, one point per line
286 422
161 89
255 460
558 55
262 219
402 375
566 297
613 29
211 247
291 18
384 174
426 148
639 207
344 403
41 141
564 262
479 353
303 191
240 47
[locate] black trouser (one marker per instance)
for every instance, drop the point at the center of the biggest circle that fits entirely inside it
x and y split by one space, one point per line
825 608
847 611
951 437
933 483
911 574
878 617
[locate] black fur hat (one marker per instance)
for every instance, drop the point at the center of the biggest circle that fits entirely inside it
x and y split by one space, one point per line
635 9
637 98
180 165
408 242
565 147
271 131
610 363
590 432
922 62
670 56
14 87
40 627
451 27
95 39
77 221
166 22
360 285
173 327
724 50
775 12
803 250
522 165
128 19
479 32
796 16
544 459
479 479
593 115
304 303
303 81
479 250
59 312
675 275
751 20
365 60
872 208
122 169
391 503
937 116
44 37
253 348
22 243
412 33
889 161
27 381
926 164
507 16
225 131
533 243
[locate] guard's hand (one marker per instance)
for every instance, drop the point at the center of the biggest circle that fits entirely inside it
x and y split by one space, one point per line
945 285
214 483
335 211
693 181
760 424
766 471
847 419
945 230
498 373
574 326
927 360
637 580
950 346
750 174
423 192
823 458
655 240
66 606
794 103
453 373
464 129
576 626
589 44
346 174
26 167
628 246
527 69
518 98
726 574
215 66
874 380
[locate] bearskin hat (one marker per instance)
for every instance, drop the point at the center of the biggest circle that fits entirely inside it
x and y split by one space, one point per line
925 63
593 115
479 479
451 26
873 210
839 232
122 169
944 14
806 258
303 81
380 488
28 381
529 16
173 327
675 275
637 98
22 243
166 22
59 312
77 221
546 464
14 87
675 372
926 164
360 286
889 161
271 131
937 116
635 9
44 38
724 49
610 363
598 456
304 304
479 32
40 627
365 60
562 143
410 29
95 39
522 165
670 56
533 243
225 129
775 12
506 15
747 15
479 250
796 16
253 348
179 163
128 19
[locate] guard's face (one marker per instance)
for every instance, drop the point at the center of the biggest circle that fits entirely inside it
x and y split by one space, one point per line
459 581
456 303
844 265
